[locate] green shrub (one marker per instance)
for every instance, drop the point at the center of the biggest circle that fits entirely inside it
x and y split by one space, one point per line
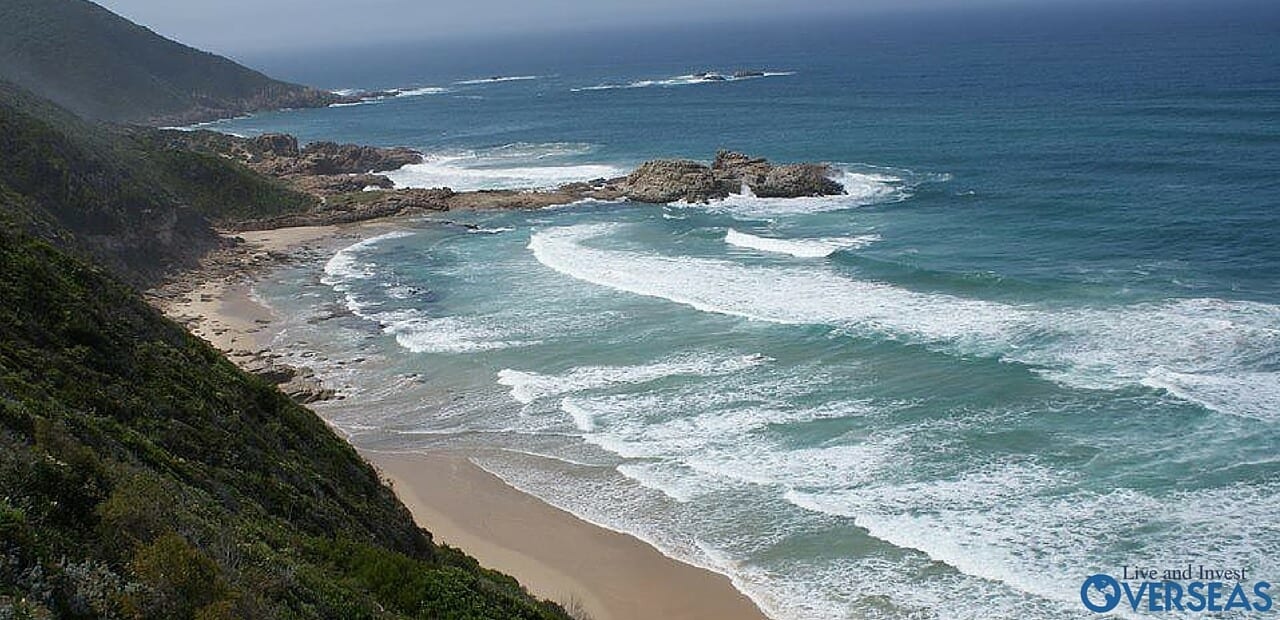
143 475
177 578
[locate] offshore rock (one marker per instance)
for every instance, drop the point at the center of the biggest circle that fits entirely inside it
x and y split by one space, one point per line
673 180
796 181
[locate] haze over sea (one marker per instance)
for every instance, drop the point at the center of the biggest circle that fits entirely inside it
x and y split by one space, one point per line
1038 339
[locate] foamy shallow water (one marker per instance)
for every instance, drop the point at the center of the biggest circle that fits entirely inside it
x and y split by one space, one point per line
1039 337
835 444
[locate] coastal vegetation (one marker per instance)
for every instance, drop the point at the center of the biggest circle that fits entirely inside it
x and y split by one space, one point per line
145 476
142 474
119 196
104 67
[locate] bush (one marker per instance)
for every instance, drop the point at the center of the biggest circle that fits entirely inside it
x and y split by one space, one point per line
178 579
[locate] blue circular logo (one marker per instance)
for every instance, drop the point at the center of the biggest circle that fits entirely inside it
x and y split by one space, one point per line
1107 586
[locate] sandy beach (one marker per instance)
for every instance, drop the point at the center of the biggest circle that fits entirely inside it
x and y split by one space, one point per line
612 576
215 302
601 574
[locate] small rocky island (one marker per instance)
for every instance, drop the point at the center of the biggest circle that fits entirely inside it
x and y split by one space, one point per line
674 180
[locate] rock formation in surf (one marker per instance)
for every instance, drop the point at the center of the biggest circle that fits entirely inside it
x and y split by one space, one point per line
672 180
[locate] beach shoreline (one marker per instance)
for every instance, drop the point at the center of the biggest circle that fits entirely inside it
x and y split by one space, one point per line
596 572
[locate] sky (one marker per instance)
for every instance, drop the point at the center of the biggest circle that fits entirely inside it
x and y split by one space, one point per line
249 26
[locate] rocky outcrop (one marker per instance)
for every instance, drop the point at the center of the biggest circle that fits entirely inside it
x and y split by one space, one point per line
299 383
273 145
738 169
332 184
339 175
279 155
797 180
332 158
358 207
673 180
662 181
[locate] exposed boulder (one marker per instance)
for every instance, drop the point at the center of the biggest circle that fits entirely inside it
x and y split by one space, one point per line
434 199
333 158
273 145
298 383
279 154
359 206
663 181
330 184
306 389
797 180
671 180
737 169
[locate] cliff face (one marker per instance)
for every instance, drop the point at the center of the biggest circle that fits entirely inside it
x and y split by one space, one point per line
104 67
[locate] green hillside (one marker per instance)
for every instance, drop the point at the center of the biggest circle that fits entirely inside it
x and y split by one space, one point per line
145 476
127 199
104 67
142 474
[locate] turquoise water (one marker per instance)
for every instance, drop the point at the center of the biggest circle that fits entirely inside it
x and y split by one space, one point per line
1039 338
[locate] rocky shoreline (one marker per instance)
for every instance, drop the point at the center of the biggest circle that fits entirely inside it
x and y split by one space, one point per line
214 301
347 183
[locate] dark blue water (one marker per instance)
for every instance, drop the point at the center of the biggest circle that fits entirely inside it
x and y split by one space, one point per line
1038 339
1154 143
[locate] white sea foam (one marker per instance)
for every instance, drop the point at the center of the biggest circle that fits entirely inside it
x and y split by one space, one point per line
511 166
345 264
993 523
863 186
370 98
684 80
414 330
671 479
1098 348
213 123
424 334
420 91
1251 394
498 80
455 174
888 585
527 387
802 248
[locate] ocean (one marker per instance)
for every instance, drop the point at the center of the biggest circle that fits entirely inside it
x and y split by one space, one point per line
1037 340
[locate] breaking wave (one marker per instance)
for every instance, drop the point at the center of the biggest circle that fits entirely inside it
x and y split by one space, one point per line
800 248
1212 351
511 166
